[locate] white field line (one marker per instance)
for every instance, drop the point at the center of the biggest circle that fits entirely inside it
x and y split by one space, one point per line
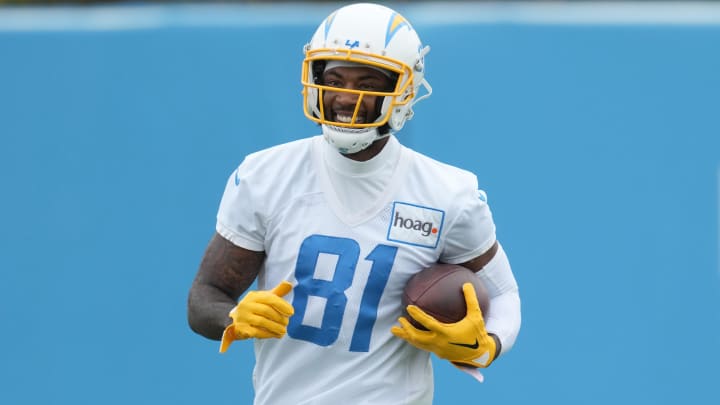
154 16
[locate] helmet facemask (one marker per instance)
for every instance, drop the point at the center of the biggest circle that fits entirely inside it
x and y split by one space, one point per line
315 90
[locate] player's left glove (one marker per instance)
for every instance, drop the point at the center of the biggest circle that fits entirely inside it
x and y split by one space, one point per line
465 343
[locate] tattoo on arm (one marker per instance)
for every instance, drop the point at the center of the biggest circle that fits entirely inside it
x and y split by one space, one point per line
226 271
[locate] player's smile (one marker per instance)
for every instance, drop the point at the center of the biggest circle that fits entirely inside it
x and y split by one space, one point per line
340 106
346 117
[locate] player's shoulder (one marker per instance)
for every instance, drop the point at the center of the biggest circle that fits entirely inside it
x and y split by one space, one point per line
443 174
284 157
297 148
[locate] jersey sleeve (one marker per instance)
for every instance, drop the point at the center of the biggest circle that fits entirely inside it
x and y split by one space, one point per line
472 232
240 218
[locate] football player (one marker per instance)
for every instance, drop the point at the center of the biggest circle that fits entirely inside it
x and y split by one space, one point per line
333 226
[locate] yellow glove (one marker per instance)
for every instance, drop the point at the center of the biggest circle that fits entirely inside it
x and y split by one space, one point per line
260 314
465 343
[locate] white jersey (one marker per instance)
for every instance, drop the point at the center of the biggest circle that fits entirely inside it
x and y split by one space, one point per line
348 266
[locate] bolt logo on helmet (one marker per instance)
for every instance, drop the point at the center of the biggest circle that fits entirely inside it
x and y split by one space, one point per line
372 36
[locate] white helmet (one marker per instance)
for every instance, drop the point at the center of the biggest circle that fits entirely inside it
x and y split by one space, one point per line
373 35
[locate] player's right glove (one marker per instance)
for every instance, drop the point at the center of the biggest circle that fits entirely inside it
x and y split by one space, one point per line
260 314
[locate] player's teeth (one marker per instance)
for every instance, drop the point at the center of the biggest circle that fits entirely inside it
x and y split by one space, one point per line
348 118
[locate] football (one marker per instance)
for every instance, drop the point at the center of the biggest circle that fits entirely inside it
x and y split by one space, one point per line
437 290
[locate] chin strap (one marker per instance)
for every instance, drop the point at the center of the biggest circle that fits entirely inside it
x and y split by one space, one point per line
351 140
428 93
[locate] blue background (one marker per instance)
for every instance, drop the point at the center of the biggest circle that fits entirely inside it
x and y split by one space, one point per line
598 145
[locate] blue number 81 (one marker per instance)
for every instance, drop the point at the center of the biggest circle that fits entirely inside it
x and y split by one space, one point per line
348 253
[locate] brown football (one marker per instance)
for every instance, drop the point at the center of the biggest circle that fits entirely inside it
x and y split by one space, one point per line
437 290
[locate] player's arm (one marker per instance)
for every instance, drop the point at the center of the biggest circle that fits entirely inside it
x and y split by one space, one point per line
226 271
503 319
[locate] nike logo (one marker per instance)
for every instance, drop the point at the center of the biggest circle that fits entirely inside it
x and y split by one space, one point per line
470 346
237 179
